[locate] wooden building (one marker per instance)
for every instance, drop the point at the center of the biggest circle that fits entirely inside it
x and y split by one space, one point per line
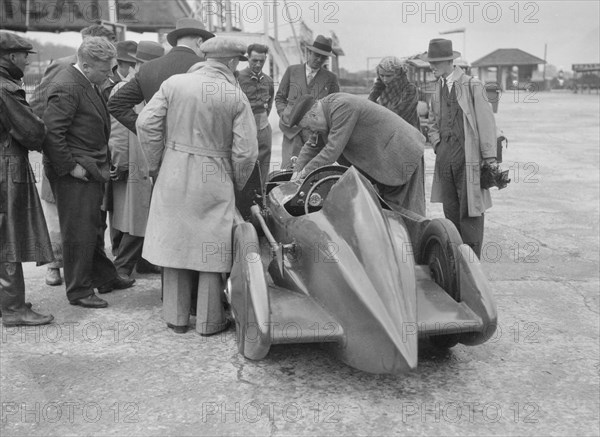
509 68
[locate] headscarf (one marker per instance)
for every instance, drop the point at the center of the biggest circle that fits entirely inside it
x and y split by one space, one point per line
398 95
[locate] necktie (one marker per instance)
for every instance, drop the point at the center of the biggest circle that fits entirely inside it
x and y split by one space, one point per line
310 77
445 91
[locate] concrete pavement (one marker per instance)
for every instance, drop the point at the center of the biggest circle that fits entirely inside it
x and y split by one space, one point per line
119 371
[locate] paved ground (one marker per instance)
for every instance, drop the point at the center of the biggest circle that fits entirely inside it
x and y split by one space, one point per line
119 371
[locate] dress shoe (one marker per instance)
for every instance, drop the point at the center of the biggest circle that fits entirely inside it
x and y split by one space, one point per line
225 327
119 283
143 267
26 317
27 304
177 329
91 301
53 277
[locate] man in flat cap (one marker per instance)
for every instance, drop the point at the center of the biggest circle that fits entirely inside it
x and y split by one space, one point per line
23 229
375 140
463 134
201 127
186 39
309 78
131 182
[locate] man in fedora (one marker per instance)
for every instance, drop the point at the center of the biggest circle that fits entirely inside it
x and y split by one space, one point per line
463 135
359 132
199 133
125 64
130 179
302 79
22 227
186 39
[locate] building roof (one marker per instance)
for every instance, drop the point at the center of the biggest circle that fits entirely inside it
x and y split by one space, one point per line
507 57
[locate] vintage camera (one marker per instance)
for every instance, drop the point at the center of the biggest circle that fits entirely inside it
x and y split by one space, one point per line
493 176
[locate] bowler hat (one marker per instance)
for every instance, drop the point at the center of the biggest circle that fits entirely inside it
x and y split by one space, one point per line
322 45
9 42
188 27
125 51
224 47
439 50
301 107
148 50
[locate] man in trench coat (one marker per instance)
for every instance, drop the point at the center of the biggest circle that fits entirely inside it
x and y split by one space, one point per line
23 232
463 135
201 126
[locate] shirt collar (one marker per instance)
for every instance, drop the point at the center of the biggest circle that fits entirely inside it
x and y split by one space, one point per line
449 79
81 71
310 70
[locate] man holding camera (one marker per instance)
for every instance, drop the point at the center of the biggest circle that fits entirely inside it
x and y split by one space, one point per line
463 134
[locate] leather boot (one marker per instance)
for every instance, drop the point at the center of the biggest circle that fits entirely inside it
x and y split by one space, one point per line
12 298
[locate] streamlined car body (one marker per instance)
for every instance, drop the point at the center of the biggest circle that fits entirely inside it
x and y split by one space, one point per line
326 260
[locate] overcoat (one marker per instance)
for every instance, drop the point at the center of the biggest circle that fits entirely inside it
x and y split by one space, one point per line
131 197
480 139
201 126
23 231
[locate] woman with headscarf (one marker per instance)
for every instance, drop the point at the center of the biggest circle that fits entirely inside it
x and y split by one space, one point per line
393 90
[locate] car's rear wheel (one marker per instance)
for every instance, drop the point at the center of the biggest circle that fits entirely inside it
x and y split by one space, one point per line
439 251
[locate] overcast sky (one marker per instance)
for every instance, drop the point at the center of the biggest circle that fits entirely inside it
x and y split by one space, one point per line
571 29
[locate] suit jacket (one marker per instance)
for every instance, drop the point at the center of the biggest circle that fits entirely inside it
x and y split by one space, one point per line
480 138
370 137
293 85
78 125
147 82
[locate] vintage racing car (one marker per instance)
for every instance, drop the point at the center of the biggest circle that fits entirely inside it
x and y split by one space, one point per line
327 260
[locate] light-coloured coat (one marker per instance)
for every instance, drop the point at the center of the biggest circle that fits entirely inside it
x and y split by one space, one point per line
131 198
201 126
480 139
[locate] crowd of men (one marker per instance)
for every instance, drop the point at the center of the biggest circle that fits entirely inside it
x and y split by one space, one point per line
159 143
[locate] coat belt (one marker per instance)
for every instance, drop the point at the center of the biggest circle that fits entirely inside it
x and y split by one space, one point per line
200 151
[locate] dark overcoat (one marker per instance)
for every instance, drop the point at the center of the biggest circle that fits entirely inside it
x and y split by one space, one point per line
23 231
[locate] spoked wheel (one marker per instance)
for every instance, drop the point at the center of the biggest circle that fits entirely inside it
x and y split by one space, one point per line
439 251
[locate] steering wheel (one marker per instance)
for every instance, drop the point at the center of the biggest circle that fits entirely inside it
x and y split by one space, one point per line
314 198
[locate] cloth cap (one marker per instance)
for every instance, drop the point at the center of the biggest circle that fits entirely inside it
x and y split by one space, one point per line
148 50
439 50
224 47
9 42
126 50
301 107
188 27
